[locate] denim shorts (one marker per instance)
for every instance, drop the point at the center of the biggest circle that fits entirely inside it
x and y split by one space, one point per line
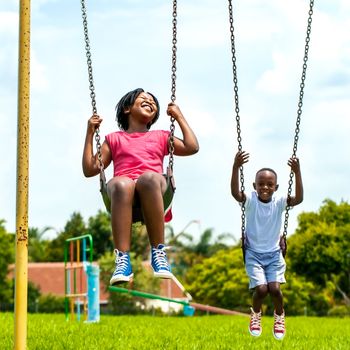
263 268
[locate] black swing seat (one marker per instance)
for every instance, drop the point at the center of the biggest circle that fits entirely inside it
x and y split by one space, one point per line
137 215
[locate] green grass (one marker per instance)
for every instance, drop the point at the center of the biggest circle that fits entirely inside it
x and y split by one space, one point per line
47 331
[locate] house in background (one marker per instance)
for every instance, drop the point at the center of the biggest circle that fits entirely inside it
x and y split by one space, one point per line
49 277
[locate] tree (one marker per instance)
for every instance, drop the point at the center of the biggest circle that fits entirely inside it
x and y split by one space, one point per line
220 280
37 246
321 244
139 241
320 248
6 257
74 227
183 255
99 226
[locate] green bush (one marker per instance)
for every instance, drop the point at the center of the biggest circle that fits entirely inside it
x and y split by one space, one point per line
339 311
50 304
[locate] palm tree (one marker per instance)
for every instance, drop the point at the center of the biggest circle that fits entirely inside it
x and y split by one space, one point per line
37 247
182 255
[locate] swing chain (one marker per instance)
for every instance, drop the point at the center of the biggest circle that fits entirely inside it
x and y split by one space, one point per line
91 81
173 84
238 124
299 112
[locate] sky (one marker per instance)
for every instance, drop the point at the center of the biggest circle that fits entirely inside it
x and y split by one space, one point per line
131 47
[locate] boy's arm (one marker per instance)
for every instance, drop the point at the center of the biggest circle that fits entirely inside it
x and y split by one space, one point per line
189 144
240 159
299 190
90 162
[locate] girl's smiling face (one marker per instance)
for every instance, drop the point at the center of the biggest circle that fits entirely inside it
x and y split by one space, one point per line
144 105
265 185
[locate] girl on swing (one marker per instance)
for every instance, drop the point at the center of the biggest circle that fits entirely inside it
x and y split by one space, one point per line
137 154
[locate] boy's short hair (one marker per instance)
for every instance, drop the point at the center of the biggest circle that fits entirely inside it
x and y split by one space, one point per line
266 169
126 102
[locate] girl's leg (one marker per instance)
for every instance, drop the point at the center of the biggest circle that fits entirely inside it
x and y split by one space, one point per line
277 297
260 292
121 191
150 187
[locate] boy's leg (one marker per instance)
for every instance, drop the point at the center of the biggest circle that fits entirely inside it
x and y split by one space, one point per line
257 281
279 327
150 187
275 270
276 296
260 293
121 191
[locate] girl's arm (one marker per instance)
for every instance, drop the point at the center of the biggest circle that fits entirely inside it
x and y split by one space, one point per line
240 159
299 190
91 164
189 144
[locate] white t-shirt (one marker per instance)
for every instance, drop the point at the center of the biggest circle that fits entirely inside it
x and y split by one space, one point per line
263 223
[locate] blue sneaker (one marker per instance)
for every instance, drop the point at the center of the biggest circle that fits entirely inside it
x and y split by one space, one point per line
159 262
123 270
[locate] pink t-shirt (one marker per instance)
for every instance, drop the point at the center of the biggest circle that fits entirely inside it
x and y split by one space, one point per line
138 152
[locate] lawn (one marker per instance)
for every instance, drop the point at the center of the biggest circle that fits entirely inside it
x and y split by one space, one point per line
52 332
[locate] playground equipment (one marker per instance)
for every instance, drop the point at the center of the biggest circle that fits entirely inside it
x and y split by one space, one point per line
188 307
81 277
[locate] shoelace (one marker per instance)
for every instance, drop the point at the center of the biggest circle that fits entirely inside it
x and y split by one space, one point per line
279 323
255 320
159 258
122 264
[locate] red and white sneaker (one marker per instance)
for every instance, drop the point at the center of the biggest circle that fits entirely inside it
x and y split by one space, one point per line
279 328
255 328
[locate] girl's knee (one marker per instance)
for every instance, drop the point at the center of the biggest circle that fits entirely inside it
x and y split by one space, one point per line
150 180
119 186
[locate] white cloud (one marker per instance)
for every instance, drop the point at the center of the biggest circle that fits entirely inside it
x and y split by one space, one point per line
8 23
278 80
39 79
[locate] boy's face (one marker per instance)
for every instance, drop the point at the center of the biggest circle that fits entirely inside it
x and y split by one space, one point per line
265 185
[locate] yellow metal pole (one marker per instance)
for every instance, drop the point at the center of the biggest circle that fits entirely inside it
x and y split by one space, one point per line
21 276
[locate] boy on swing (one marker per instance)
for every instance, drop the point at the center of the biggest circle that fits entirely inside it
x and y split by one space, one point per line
264 262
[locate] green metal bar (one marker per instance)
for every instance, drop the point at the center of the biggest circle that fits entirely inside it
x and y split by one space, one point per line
136 293
89 237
